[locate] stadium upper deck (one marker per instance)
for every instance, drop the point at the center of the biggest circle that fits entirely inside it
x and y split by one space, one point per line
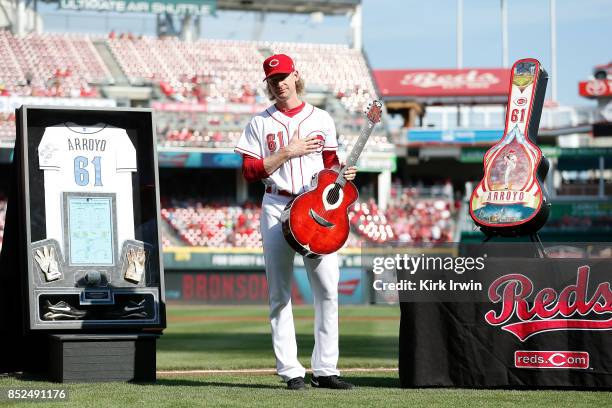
65 64
204 73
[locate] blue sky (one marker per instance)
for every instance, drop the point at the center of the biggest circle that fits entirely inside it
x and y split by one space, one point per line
417 34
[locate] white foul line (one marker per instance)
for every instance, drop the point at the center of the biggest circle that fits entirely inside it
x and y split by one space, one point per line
265 371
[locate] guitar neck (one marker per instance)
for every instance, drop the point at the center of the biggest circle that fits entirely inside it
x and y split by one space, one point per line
357 149
526 99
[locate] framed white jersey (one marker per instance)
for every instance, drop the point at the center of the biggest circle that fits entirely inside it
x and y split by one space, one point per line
86 159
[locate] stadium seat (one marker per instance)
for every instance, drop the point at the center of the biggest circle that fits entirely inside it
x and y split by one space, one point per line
416 218
54 65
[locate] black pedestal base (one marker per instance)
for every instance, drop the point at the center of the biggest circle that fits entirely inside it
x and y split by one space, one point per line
98 357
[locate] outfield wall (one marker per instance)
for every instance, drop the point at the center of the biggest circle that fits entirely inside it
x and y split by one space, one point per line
232 276
225 287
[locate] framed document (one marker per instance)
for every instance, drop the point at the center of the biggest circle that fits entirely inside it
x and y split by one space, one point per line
90 229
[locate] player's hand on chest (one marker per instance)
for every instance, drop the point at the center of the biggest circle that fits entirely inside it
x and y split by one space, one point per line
299 144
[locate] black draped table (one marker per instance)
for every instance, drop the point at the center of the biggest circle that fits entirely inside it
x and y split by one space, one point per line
536 323
451 345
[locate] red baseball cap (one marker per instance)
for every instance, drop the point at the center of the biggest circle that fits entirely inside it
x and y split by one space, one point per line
278 64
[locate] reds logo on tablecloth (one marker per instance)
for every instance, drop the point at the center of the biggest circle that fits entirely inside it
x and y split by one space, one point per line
571 309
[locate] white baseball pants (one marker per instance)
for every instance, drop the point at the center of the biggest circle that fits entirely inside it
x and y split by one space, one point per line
323 275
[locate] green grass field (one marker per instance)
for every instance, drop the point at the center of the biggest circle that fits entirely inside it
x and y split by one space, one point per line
223 338
200 338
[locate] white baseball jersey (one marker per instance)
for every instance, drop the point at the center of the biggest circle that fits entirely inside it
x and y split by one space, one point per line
270 130
95 159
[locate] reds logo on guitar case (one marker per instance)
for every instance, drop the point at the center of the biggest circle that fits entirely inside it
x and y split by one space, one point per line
511 199
316 223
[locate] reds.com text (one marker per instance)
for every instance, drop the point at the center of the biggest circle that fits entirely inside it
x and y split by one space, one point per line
551 359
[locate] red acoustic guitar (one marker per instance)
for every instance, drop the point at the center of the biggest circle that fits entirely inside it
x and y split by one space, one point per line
511 199
316 222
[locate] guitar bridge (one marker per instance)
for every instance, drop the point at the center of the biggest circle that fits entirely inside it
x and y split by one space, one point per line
320 220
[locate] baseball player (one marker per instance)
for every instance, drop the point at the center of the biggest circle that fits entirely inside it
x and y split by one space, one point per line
285 146
510 160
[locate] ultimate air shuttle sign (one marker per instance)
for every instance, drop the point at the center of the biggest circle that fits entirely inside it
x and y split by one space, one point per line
179 7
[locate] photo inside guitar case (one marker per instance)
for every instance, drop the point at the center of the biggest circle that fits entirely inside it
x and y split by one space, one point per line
511 199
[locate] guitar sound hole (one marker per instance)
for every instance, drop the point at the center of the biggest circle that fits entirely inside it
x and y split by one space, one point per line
333 195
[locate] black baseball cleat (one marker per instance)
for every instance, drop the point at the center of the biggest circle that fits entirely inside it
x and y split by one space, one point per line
132 310
330 381
62 311
296 383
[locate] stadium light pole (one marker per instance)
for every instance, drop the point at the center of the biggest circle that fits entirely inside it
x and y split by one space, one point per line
459 49
459 34
258 26
357 26
20 18
504 24
553 50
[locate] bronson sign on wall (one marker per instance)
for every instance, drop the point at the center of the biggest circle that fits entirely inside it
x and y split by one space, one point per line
442 83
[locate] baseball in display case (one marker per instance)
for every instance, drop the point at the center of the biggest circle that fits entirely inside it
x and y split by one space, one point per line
91 216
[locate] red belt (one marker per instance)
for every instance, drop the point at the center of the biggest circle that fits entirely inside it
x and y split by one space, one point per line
284 193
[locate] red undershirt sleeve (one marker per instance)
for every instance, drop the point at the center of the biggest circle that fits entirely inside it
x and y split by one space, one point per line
330 159
253 169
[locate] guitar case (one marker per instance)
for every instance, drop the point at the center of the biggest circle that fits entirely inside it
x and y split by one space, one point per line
511 199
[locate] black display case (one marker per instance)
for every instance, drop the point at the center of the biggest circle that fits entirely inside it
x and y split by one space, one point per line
82 246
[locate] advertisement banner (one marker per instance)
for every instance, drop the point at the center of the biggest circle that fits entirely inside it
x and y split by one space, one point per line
8 104
352 287
199 159
251 287
595 88
217 287
178 7
442 82
376 163
200 258
208 107
475 154
452 136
